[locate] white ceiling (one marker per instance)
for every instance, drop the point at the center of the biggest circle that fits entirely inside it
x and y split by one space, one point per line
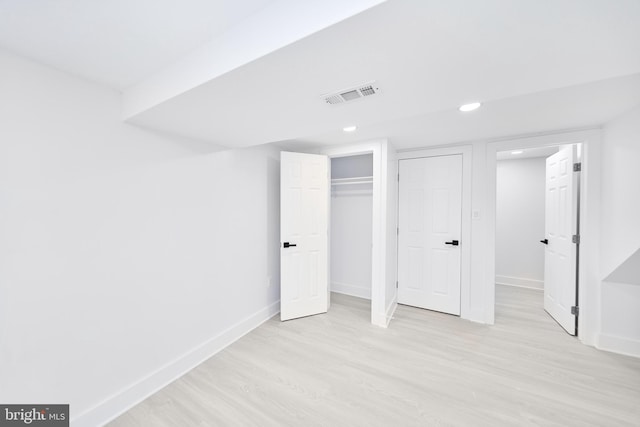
527 153
115 42
427 58
537 65
573 107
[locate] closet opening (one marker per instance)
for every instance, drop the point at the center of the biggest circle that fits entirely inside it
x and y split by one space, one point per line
350 273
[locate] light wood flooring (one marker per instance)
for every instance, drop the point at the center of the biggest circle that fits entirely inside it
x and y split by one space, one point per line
426 369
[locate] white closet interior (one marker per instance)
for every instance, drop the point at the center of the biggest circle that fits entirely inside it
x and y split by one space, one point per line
351 223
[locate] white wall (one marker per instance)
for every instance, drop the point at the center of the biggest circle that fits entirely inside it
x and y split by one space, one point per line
125 257
351 244
352 166
480 302
620 232
520 204
391 291
351 221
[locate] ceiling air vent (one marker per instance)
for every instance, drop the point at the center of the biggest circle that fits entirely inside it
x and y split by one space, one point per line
351 94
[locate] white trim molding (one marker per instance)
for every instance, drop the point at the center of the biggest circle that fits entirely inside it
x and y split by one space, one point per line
520 282
391 309
353 290
620 345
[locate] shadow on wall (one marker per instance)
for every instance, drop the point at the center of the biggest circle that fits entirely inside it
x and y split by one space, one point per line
627 272
272 225
196 146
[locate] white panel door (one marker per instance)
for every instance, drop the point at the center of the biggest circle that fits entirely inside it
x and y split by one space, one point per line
304 211
429 222
560 226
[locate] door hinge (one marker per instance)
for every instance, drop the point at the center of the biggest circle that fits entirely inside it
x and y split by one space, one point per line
396 284
398 177
575 239
577 167
575 310
398 231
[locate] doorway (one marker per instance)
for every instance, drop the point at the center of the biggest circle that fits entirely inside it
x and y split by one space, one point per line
381 265
351 220
429 232
537 229
460 304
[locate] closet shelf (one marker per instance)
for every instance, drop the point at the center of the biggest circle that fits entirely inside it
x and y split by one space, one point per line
352 181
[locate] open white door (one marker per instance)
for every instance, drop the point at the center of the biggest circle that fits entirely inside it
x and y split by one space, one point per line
429 222
561 204
304 211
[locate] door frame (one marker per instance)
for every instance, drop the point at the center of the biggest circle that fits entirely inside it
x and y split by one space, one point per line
465 231
588 295
379 313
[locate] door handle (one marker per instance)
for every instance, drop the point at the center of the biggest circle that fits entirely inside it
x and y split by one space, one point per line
545 241
288 245
453 242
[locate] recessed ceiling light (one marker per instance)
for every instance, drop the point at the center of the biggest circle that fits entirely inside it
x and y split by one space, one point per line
517 152
349 129
470 107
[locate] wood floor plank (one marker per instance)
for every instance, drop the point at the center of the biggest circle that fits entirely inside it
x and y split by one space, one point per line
426 369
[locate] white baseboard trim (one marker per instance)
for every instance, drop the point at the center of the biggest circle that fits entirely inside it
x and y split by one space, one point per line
353 290
620 345
520 282
379 319
383 319
130 396
391 309
476 315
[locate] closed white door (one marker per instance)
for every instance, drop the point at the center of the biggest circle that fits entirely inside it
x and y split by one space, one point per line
561 203
304 210
429 222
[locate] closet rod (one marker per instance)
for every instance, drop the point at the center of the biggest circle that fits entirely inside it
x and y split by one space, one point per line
351 193
354 180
